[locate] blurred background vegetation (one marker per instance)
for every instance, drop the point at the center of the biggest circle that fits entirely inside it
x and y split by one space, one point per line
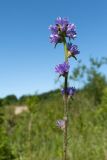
28 125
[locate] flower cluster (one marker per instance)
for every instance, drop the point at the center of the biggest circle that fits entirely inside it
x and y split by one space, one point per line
72 50
62 69
70 91
62 29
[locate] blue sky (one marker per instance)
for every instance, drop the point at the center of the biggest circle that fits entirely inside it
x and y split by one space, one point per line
27 59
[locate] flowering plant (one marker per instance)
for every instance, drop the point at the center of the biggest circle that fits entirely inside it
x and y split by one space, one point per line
63 32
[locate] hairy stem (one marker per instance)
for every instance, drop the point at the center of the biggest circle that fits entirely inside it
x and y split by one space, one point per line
65 108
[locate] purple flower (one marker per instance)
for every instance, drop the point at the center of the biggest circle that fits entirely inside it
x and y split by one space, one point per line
53 29
70 91
62 21
72 50
62 29
71 31
60 124
62 69
55 38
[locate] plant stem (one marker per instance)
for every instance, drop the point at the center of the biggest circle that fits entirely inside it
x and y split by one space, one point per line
65 108
65 50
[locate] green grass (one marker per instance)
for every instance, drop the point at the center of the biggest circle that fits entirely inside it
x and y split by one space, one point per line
33 135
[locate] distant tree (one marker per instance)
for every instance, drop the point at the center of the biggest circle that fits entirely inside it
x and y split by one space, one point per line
95 87
49 94
10 100
94 81
1 101
23 99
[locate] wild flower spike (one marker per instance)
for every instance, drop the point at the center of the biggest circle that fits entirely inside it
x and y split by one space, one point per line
72 50
70 91
62 69
62 29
